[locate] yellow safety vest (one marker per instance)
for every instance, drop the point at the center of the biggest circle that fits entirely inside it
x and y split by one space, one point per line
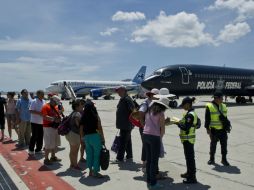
191 135
214 113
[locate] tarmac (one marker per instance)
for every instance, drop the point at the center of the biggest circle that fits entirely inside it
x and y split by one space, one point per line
24 172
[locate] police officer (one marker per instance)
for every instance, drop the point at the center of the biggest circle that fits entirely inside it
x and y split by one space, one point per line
215 129
188 125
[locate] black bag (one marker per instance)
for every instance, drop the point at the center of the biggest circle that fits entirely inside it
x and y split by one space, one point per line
116 144
225 122
54 125
104 158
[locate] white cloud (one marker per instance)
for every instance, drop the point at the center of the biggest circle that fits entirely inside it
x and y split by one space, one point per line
128 16
180 30
109 31
232 32
244 8
31 46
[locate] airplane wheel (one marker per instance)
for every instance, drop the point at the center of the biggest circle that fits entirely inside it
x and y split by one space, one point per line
173 104
243 100
238 99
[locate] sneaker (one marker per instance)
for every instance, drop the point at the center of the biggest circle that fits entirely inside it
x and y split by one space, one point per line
31 152
55 159
47 162
116 161
211 162
190 180
156 186
98 175
225 162
38 152
82 160
185 175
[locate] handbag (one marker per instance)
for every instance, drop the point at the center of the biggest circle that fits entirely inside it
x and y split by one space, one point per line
104 158
135 120
116 143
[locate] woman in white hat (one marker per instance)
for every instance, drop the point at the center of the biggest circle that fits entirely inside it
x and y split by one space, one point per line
153 131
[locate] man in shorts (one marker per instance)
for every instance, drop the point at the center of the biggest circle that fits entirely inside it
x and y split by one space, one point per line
51 120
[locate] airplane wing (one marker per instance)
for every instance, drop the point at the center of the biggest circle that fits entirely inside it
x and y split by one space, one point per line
98 92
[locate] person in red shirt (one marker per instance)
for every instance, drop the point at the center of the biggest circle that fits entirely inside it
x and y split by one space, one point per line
51 120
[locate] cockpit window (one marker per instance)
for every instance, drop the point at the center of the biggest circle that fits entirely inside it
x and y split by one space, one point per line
54 83
166 73
158 72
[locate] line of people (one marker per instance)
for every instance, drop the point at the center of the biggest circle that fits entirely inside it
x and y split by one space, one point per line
38 121
152 118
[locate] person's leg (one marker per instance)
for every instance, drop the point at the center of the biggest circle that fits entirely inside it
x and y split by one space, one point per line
96 145
155 153
89 152
27 132
143 154
129 154
82 150
22 126
213 144
33 137
39 141
190 160
74 154
123 144
224 151
9 125
148 158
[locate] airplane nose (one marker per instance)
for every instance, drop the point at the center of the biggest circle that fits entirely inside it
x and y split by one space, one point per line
147 84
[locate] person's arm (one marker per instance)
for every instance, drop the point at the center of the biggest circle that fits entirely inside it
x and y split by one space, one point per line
18 120
162 124
32 109
142 112
207 120
189 119
100 130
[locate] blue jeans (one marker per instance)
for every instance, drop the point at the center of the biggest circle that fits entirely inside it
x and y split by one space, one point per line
152 146
93 150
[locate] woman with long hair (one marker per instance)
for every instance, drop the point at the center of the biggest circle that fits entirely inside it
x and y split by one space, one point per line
92 134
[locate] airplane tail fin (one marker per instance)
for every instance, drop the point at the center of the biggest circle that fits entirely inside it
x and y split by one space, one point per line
140 76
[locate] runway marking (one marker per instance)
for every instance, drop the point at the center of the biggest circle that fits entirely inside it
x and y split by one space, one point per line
33 173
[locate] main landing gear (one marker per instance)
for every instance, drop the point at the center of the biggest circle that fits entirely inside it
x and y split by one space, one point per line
243 100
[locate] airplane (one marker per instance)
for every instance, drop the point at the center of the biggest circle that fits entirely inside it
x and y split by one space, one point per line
183 80
97 89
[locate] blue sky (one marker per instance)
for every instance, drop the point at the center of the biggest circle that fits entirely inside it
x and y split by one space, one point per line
44 41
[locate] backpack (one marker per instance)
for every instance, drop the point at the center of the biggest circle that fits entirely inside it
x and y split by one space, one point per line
65 126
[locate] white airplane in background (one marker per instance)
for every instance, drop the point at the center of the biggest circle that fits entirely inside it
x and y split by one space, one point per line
97 89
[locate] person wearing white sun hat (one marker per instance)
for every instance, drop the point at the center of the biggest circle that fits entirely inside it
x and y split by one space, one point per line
153 132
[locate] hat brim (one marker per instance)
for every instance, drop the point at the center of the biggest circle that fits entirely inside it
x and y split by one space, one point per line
165 96
158 102
149 93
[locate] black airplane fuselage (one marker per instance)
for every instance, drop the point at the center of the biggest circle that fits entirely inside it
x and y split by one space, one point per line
183 80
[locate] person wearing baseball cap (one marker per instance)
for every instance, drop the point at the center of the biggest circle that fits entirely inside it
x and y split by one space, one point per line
214 127
188 125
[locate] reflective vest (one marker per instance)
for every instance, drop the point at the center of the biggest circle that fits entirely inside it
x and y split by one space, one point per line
214 113
191 135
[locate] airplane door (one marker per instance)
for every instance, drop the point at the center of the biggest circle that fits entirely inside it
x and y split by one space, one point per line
185 75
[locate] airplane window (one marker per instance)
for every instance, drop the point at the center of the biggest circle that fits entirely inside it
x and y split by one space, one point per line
166 73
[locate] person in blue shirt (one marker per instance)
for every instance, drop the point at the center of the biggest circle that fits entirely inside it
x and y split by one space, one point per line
23 116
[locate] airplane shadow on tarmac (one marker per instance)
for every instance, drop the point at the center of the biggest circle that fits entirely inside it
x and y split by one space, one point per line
227 169
168 184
